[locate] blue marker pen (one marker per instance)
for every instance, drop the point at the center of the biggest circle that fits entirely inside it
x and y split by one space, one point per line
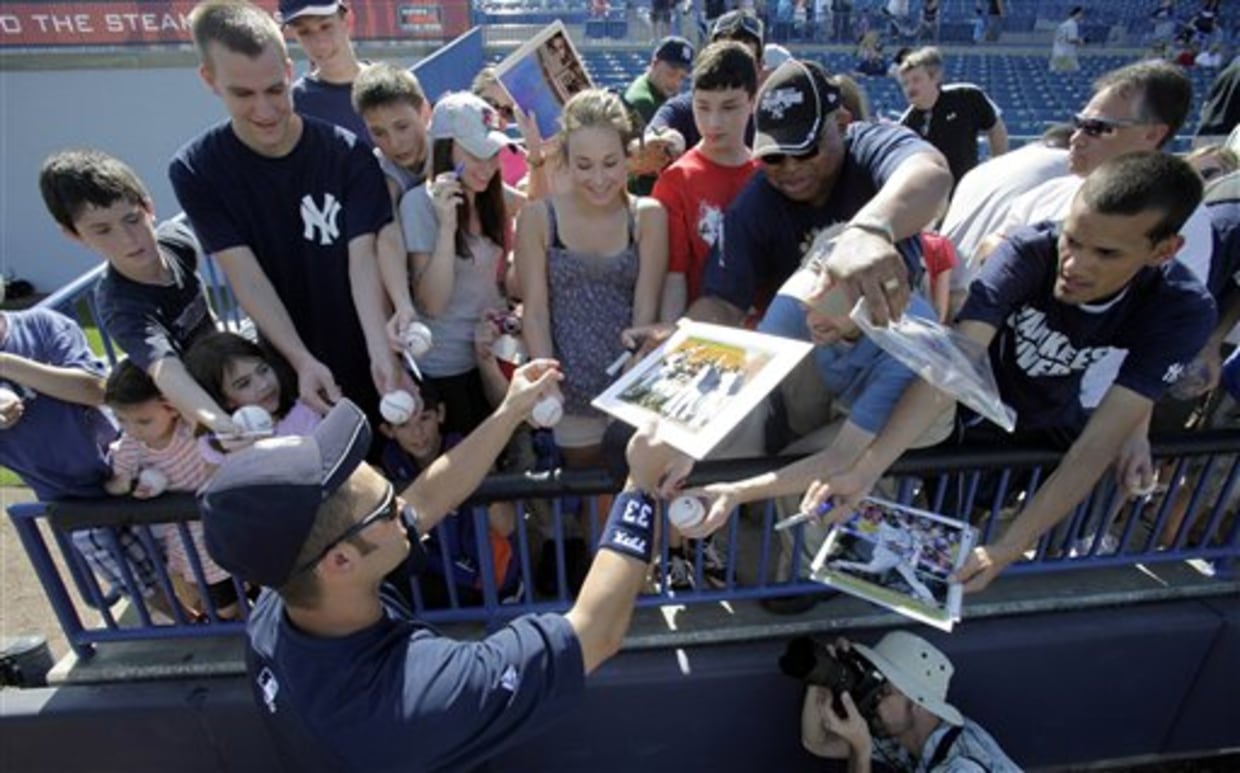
459 169
802 517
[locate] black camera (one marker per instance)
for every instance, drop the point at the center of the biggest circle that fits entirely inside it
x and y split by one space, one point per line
848 671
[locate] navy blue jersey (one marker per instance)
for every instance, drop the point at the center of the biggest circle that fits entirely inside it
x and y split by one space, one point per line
1043 347
398 696
331 102
766 235
297 213
154 321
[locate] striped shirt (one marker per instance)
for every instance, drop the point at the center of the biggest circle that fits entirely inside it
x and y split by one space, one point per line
186 470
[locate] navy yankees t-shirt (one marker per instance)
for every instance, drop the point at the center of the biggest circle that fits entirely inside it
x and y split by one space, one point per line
151 322
1043 347
297 214
398 696
766 235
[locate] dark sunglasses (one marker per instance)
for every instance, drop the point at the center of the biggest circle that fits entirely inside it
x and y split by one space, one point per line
1098 127
505 111
775 159
387 511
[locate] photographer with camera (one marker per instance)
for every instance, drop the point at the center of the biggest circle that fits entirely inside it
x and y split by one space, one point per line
887 703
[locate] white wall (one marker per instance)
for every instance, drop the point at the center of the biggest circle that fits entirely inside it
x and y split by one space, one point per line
139 115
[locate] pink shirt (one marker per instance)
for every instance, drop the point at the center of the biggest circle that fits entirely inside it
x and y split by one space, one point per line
186 470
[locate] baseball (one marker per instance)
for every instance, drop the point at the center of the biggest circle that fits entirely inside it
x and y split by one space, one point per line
547 412
398 407
253 419
686 512
418 339
153 480
7 398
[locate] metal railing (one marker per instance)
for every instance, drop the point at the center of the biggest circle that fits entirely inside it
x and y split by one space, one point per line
1190 519
558 514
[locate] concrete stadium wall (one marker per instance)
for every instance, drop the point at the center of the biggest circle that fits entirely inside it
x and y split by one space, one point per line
1053 688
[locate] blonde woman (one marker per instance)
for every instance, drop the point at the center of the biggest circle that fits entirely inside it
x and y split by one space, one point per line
590 263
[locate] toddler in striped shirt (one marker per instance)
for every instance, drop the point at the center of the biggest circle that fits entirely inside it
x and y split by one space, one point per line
157 452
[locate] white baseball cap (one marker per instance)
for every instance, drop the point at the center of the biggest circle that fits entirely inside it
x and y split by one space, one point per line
916 668
469 120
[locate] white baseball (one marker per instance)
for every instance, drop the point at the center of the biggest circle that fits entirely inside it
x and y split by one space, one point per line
398 407
418 339
7 398
547 412
153 480
686 512
253 419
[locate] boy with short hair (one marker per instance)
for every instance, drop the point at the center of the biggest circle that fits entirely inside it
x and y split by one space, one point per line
322 31
697 189
150 298
396 113
154 437
411 447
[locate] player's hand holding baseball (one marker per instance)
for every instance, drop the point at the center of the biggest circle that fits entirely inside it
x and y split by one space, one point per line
530 383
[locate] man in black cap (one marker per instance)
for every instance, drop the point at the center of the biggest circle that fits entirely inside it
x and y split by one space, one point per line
670 63
344 677
883 183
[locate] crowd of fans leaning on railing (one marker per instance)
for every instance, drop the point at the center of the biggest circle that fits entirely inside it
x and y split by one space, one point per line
467 291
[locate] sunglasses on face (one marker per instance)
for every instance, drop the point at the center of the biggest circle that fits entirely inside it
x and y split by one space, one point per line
776 159
387 511
1099 127
505 111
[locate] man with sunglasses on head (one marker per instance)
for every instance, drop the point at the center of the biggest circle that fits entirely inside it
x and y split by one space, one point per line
343 675
1139 107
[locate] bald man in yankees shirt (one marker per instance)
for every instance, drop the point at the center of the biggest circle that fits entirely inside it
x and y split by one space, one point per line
1051 301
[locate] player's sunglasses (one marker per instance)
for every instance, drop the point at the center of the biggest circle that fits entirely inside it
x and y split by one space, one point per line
1100 127
775 159
387 511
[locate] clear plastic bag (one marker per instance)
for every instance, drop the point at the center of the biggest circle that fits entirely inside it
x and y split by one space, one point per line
944 358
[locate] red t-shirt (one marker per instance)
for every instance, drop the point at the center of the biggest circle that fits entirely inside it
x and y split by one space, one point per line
696 192
938 253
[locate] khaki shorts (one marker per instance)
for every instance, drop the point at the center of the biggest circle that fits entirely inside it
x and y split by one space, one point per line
579 431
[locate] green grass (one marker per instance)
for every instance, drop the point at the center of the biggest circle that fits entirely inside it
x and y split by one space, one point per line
9 479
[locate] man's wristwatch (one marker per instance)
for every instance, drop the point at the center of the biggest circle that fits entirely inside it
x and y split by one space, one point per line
874 225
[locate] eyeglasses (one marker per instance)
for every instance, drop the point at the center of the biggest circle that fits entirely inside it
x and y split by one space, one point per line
387 511
775 159
505 111
1098 127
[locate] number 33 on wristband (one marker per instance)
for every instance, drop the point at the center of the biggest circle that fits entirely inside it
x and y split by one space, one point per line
637 512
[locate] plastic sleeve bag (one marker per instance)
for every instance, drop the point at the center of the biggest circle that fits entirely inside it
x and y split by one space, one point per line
947 360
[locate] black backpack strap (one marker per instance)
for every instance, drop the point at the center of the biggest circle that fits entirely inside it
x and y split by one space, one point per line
946 742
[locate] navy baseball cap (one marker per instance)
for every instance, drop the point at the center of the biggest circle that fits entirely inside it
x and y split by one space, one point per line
793 105
259 507
292 9
674 50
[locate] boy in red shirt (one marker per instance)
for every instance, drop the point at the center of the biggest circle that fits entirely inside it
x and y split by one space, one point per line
698 188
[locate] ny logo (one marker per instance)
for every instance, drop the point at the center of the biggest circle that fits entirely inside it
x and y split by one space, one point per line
323 220
777 101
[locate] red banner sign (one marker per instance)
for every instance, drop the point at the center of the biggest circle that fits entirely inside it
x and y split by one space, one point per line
110 23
